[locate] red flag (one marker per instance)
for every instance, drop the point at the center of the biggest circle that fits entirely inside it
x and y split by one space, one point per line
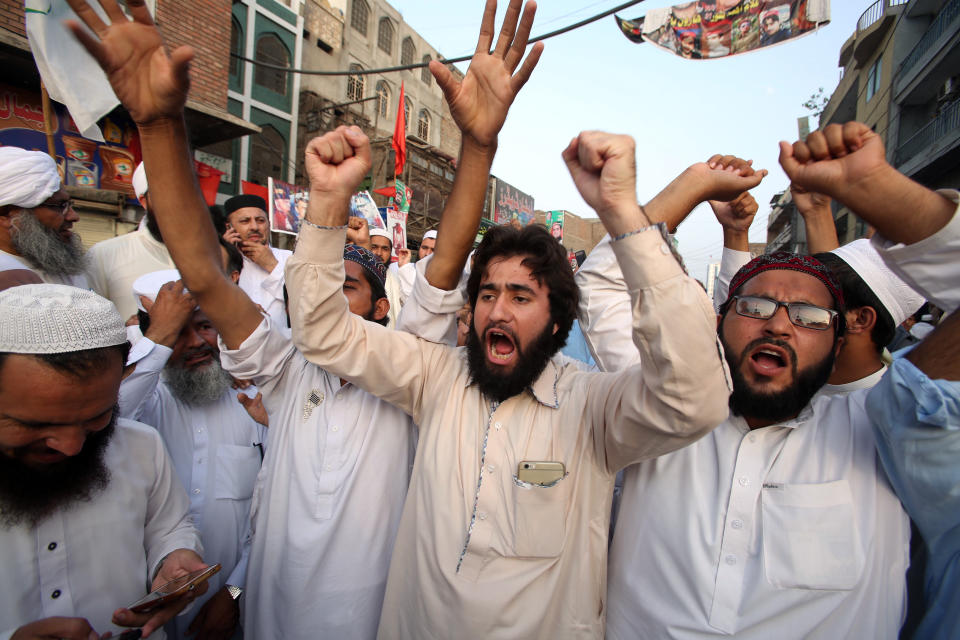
399 142
209 179
254 189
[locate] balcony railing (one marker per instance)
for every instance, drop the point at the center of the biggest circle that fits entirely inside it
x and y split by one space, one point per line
946 122
875 11
941 23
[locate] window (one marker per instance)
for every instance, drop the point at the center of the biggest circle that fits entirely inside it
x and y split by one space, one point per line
425 74
236 35
270 49
383 99
355 84
407 110
407 51
873 79
385 35
423 125
359 15
266 155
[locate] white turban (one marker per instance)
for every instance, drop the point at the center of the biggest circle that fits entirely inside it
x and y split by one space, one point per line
140 180
896 295
55 318
27 178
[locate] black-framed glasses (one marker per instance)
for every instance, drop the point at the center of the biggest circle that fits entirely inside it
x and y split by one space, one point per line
62 205
802 314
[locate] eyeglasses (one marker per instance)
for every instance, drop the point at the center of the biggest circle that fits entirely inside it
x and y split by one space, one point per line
801 314
63 205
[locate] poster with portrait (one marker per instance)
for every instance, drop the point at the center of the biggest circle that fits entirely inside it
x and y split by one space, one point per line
511 205
287 204
363 206
554 223
719 28
397 228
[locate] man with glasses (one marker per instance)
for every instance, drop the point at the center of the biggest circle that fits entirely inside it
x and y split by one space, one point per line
37 243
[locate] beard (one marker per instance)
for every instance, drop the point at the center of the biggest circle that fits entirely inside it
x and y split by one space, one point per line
775 406
197 386
29 494
44 249
530 364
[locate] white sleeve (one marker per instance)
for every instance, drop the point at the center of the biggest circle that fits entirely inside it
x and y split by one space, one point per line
731 261
431 313
405 278
138 391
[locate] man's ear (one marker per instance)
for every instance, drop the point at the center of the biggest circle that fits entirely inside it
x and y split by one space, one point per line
555 327
861 320
381 308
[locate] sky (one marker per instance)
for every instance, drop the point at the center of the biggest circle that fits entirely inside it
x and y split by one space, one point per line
678 111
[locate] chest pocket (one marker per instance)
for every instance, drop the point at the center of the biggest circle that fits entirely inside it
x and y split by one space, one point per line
237 468
540 515
810 537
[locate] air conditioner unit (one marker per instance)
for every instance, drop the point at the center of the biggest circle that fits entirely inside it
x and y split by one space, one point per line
949 90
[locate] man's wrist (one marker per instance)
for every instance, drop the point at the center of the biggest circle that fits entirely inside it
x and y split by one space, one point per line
162 127
624 218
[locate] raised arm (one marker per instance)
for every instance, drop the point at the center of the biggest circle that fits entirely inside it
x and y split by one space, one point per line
817 217
152 85
479 105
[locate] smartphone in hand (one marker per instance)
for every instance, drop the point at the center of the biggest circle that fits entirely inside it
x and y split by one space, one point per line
173 590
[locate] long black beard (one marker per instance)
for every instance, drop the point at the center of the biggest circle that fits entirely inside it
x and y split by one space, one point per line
44 249
530 364
28 495
781 405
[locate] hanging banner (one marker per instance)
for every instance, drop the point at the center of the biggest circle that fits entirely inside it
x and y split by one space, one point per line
363 206
288 206
512 205
555 224
397 227
718 28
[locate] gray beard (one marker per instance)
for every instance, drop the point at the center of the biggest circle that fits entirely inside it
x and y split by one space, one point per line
197 387
43 248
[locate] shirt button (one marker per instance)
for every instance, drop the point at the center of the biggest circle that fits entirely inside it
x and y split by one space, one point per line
339 396
334 429
731 560
737 524
482 515
329 467
497 426
491 468
55 594
744 481
51 546
196 491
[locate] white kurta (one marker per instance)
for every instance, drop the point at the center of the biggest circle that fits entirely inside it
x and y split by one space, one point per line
8 262
214 452
266 288
97 556
117 262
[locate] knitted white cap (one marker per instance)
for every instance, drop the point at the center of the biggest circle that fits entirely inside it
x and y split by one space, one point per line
140 180
55 318
148 285
896 295
430 234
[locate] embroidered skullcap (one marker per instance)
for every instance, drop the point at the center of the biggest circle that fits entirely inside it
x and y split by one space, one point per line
27 178
366 260
243 201
140 180
897 297
377 231
789 261
149 284
55 318
432 234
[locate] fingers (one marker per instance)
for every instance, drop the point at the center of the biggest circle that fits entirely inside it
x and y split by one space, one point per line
359 143
88 16
139 11
180 60
335 146
508 28
445 80
91 44
788 159
486 27
112 10
523 34
146 302
521 77
731 164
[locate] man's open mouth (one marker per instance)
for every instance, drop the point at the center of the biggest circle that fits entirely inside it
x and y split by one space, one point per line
501 346
768 360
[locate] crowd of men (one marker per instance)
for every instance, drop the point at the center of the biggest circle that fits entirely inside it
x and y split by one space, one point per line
183 396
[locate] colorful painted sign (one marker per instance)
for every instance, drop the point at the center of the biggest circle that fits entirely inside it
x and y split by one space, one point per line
288 206
555 224
511 204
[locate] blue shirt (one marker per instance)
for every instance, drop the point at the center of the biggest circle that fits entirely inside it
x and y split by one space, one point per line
917 421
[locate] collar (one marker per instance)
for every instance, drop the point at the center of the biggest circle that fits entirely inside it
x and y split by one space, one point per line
544 388
866 382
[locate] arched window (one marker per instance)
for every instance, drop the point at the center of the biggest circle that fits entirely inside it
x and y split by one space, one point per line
407 110
423 125
407 51
385 35
383 98
425 74
359 16
266 155
270 49
236 36
355 84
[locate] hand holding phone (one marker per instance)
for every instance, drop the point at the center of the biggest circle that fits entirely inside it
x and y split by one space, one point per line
173 590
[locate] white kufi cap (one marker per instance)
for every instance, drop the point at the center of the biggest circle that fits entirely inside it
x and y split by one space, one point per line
27 178
377 231
899 299
55 318
149 284
140 180
432 234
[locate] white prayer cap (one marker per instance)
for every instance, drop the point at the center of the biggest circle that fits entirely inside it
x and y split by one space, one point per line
432 234
27 178
899 299
149 284
377 231
55 318
140 180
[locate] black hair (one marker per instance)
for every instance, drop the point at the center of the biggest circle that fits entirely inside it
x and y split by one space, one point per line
78 364
857 294
547 260
234 257
377 291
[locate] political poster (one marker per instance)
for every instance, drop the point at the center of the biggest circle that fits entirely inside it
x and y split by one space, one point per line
288 206
397 228
719 28
512 205
555 224
363 206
